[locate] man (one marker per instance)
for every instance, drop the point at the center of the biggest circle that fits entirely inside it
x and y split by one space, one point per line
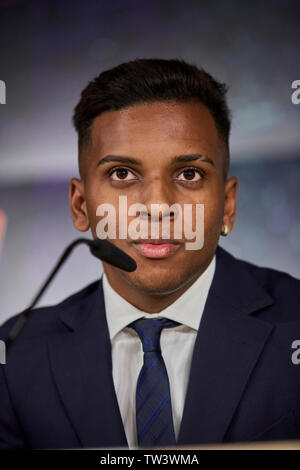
192 347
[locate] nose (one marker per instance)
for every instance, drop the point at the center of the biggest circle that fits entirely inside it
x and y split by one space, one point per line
157 193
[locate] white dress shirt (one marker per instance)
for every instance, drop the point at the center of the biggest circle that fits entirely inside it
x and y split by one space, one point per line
177 346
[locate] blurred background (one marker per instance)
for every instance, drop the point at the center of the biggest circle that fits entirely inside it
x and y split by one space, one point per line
51 49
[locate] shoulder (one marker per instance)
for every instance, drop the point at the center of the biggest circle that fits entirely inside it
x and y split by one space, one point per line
46 319
273 280
280 285
276 282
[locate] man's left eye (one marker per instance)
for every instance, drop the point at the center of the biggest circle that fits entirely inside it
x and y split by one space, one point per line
189 175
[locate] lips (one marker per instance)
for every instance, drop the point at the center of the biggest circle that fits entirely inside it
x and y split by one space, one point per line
161 248
156 241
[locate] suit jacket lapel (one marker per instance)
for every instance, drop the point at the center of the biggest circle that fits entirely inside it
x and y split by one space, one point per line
80 359
228 345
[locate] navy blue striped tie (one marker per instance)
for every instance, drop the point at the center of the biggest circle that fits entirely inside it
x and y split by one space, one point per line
154 418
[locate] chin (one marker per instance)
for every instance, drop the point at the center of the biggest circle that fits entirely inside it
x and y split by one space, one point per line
157 283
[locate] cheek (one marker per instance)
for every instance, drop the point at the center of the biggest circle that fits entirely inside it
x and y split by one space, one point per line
214 207
213 216
213 213
95 197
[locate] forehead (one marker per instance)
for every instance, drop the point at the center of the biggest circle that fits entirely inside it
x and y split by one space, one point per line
153 125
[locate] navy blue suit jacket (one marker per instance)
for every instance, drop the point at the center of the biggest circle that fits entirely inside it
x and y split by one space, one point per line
57 391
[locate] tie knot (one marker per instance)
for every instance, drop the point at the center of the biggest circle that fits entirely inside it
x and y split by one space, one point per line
149 330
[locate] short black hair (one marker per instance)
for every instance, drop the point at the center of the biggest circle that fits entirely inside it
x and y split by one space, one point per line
151 80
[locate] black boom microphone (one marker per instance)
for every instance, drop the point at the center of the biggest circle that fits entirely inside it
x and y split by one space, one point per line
101 249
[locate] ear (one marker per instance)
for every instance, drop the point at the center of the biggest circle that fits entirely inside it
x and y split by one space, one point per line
78 205
231 190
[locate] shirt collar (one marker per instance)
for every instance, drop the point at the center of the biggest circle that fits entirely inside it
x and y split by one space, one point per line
187 309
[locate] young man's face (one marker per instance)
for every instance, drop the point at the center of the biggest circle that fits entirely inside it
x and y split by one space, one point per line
153 134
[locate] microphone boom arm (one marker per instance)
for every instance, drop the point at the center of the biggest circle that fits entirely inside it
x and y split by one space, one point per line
101 249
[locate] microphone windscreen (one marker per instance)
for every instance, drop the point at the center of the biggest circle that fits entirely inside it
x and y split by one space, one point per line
107 251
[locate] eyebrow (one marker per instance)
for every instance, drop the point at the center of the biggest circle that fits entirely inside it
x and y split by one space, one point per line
176 159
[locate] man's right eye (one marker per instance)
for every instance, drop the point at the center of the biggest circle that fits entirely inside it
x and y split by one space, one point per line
121 173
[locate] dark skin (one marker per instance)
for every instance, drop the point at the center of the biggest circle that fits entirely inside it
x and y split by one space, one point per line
153 134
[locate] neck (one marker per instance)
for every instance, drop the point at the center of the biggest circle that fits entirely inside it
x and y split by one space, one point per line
149 302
